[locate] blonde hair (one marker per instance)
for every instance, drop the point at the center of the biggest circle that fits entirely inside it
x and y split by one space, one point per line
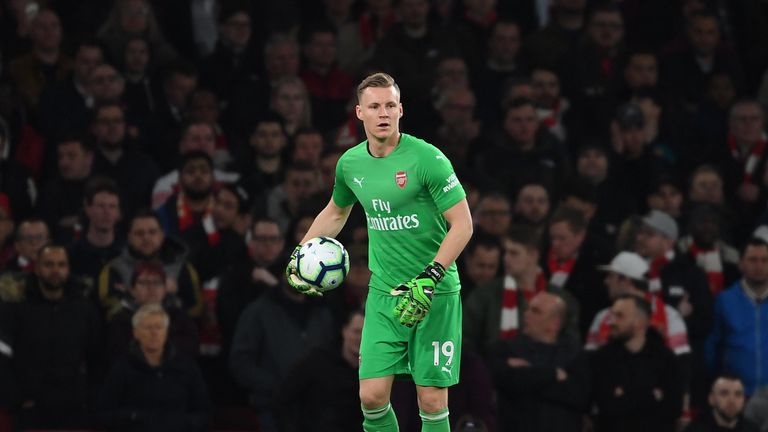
149 310
377 80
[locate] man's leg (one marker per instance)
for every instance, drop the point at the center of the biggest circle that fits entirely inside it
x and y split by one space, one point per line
433 409
378 415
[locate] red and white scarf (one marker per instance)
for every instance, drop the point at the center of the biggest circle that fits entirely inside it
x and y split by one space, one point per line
752 160
187 219
559 271
711 262
655 296
26 266
510 312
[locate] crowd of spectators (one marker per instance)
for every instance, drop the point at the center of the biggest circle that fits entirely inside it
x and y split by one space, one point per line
159 159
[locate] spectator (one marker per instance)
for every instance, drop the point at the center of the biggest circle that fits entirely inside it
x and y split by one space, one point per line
137 67
357 40
339 361
44 65
64 106
626 275
738 343
62 198
532 206
726 400
493 214
707 186
308 147
54 394
148 287
329 87
666 195
250 276
99 242
290 101
501 63
129 18
204 107
551 45
481 259
635 380
193 204
31 235
152 388
287 200
6 232
105 85
552 108
133 171
458 133
263 165
272 335
15 179
641 71
198 136
543 380
147 242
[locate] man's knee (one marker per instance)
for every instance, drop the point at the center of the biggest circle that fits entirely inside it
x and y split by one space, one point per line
432 399
374 393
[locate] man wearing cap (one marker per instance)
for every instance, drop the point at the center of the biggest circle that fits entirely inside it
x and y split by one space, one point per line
626 275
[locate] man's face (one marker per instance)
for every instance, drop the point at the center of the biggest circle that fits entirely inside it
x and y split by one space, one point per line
151 333
746 123
178 89
109 127
452 72
623 321
538 316
704 34
670 199
268 139
518 258
104 211
633 139
546 88
642 71
592 165
533 203
563 241
380 111
308 148
30 238
52 268
754 265
46 30
722 90
616 284
707 187
87 58
606 29
483 264
300 185
225 209
493 216
290 102
198 137
705 230
146 236
196 178
459 108
321 50
149 288
351 335
727 398
106 84
266 243
652 244
74 161
236 30
203 106
521 124
414 13
282 61
134 16
504 44
136 56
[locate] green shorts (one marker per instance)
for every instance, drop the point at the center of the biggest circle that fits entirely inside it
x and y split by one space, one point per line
429 352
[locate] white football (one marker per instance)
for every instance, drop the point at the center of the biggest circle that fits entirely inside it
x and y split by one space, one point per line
323 262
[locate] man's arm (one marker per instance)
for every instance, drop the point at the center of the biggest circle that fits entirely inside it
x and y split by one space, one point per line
460 220
328 222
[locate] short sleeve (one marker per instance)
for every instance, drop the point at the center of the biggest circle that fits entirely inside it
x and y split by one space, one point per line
440 179
342 194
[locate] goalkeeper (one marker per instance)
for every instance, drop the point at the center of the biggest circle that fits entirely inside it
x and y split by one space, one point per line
411 196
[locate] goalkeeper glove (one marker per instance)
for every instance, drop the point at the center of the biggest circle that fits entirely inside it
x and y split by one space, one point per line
417 298
294 280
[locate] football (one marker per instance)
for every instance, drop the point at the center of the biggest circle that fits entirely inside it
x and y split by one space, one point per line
323 262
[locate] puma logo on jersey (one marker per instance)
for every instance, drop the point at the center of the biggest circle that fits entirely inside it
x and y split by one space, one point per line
439 157
359 181
445 369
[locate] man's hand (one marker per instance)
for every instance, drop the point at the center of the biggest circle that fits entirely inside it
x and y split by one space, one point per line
515 362
292 275
417 295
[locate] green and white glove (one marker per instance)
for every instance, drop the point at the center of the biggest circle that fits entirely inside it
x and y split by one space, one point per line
417 295
292 275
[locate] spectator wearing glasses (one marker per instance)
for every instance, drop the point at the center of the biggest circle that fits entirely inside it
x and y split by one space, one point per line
31 235
493 214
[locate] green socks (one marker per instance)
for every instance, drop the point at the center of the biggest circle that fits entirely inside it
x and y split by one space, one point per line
435 422
381 419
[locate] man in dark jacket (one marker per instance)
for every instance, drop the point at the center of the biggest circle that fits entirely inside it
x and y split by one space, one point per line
635 380
727 402
54 335
543 380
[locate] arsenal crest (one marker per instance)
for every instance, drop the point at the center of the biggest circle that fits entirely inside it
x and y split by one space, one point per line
401 178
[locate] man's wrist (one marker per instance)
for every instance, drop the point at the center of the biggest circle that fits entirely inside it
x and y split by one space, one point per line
435 270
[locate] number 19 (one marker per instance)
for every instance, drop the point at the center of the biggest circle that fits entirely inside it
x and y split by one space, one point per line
446 349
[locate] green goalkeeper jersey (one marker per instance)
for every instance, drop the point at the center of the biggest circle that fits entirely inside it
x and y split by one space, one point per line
404 195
